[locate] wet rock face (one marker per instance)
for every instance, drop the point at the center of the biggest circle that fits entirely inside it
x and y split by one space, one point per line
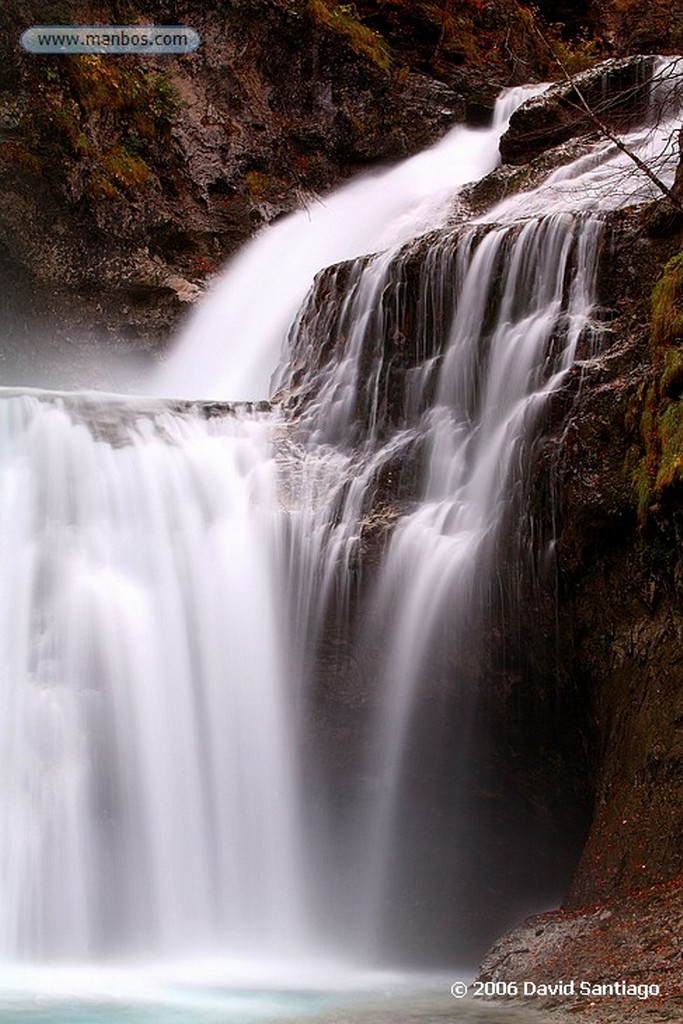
618 604
581 675
620 596
582 672
616 91
401 331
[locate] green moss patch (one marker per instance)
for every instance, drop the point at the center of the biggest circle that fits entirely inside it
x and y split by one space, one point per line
345 21
667 305
661 424
89 105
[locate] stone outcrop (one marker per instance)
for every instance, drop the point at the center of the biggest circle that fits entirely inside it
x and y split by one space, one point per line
607 472
616 92
618 571
634 941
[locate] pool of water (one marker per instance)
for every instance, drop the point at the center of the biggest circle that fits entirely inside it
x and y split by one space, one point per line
183 1007
214 995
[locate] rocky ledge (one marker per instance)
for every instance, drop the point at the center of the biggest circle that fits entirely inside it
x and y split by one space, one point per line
615 93
614 963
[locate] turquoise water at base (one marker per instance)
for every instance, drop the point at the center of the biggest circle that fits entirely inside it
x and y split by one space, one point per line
222 1008
230 991
123 997
427 1007
271 1009
204 1007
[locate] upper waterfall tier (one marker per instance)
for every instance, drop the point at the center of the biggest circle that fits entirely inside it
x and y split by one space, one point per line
232 347
366 351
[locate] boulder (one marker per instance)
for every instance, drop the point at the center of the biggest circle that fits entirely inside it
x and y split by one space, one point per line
568 959
616 90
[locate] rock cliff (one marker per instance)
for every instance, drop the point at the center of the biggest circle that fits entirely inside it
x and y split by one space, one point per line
608 472
127 181
582 676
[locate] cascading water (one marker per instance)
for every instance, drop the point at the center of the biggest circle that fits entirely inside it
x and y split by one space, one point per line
497 315
233 345
505 353
508 307
173 572
147 803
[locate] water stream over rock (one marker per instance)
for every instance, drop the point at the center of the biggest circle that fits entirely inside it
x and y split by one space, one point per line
173 571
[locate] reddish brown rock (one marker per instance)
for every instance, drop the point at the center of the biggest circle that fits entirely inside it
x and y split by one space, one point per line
637 941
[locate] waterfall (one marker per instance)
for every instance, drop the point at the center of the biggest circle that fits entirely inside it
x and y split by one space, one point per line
187 584
148 785
508 348
435 359
506 307
233 344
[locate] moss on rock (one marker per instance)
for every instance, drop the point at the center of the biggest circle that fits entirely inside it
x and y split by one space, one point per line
345 21
661 424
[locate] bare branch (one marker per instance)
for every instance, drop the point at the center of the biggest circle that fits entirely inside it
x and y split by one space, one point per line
606 130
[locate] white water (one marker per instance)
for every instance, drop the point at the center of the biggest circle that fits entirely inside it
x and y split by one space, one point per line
606 177
433 581
147 798
167 577
233 344
524 298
